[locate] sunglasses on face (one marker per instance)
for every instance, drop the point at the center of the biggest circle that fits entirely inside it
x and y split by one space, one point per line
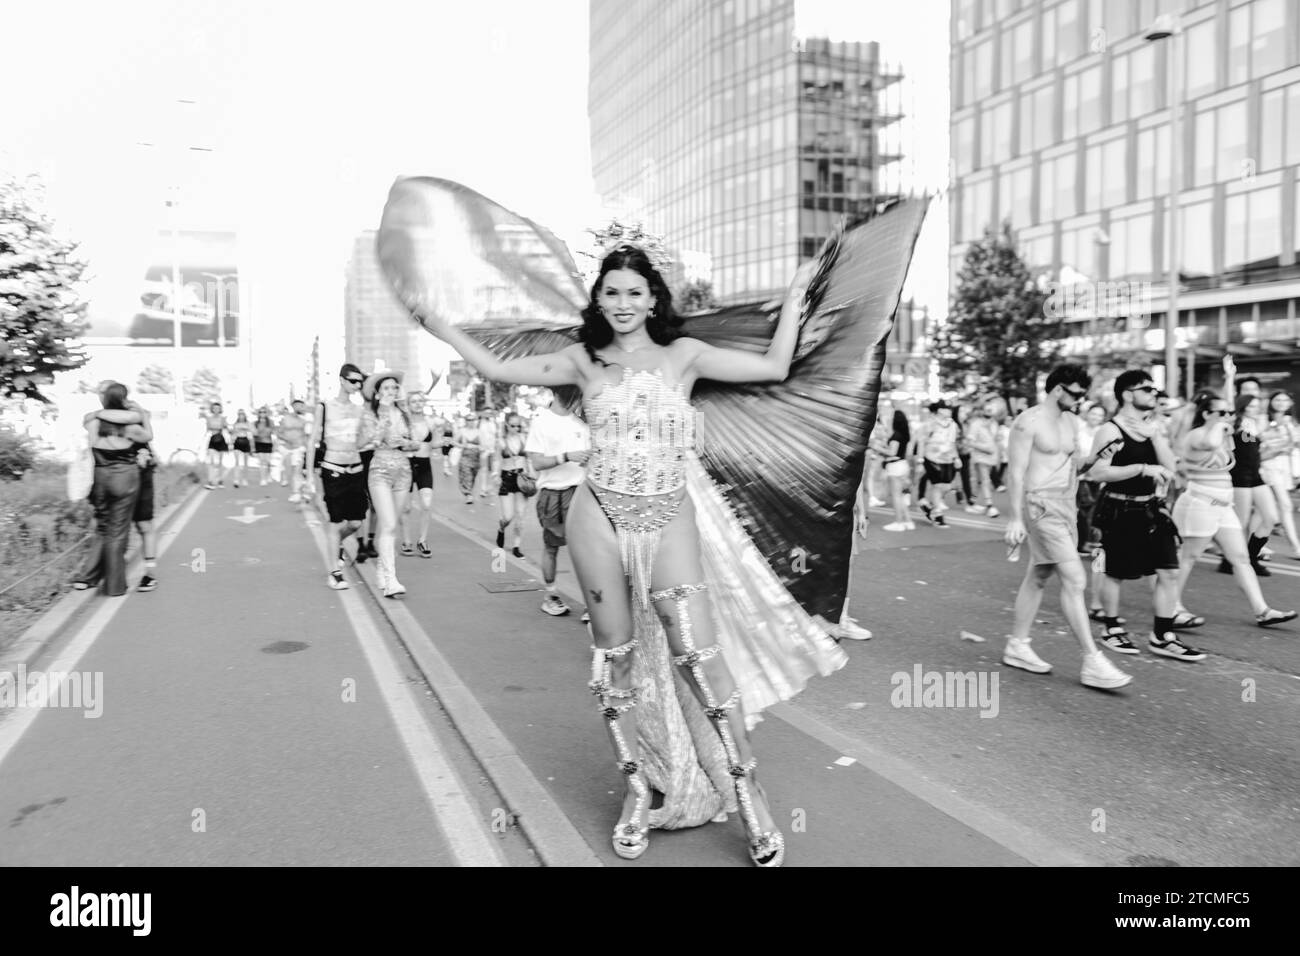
355 381
1151 389
1073 394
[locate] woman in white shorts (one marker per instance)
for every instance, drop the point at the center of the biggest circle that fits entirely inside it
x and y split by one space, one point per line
897 470
1277 441
1205 512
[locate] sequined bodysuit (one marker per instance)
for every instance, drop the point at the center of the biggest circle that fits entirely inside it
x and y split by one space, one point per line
390 432
642 431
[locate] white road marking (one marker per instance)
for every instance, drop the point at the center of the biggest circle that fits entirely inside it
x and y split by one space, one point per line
453 812
13 728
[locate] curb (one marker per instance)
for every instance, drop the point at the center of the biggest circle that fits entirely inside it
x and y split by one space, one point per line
545 826
63 611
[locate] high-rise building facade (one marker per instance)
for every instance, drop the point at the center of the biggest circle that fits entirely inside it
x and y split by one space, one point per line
1061 125
378 329
740 142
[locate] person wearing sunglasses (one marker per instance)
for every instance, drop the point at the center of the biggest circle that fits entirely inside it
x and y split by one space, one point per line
1042 478
338 464
1205 512
1138 535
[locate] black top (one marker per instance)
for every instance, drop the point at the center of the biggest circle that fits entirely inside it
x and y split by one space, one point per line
904 438
1134 451
1245 471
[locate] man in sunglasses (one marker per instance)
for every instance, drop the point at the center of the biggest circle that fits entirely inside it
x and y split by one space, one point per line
1042 481
342 474
1138 535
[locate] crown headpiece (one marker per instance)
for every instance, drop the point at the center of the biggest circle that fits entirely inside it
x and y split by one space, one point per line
632 234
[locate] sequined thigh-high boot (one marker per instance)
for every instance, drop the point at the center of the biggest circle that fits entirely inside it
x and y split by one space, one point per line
618 706
766 848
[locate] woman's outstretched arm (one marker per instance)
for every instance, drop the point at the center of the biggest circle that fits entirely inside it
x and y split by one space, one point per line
555 368
734 365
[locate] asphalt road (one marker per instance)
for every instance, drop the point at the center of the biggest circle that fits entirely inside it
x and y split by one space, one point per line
287 720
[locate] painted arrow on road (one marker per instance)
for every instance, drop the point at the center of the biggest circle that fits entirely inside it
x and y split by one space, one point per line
247 517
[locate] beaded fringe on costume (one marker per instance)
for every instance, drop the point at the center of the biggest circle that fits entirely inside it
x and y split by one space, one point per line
769 642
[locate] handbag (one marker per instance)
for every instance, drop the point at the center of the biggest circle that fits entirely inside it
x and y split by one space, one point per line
81 473
526 483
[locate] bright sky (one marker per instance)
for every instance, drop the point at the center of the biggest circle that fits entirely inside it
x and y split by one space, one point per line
313 109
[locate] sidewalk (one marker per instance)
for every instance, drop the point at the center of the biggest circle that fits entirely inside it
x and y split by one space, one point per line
528 671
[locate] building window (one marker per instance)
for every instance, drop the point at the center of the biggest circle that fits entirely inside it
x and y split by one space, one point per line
1015 191
1062 34
1090 117
1196 239
1036 253
995 134
967 24
1105 182
1272 113
1130 247
1252 230
1017 53
1238 45
1036 119
1070 108
1201 57
982 57
1268 37
1056 188
1220 153
1079 250
1293 124
963 145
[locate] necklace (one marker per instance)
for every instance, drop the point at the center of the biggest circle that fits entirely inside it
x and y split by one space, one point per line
639 348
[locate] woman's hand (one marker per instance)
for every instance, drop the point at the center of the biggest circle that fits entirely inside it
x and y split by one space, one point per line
798 287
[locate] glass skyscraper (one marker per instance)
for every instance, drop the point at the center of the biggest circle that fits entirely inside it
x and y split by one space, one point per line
1061 126
377 327
740 142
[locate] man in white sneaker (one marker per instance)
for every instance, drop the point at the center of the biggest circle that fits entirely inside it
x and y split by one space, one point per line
558 446
1042 475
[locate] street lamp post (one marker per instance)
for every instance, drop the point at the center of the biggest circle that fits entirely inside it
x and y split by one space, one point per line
1167 27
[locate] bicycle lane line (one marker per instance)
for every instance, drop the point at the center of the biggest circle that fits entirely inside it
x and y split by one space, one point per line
13 728
453 811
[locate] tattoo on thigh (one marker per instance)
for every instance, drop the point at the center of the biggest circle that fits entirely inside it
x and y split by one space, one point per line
596 595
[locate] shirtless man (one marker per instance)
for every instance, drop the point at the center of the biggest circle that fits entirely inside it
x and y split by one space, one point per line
1042 477
342 475
293 434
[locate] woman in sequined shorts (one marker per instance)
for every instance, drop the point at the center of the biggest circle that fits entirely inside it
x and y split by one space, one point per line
654 545
386 429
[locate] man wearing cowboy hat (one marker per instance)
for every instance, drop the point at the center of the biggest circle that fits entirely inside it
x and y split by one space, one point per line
936 443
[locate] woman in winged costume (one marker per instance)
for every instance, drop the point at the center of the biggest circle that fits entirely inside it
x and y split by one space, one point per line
634 530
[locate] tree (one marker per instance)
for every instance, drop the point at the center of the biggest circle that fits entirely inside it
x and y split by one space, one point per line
203 387
998 326
42 316
155 380
695 296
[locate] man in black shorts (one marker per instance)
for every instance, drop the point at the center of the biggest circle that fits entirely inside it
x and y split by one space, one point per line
558 446
1137 534
342 475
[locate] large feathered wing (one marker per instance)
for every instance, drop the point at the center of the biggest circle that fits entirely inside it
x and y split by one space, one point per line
787 457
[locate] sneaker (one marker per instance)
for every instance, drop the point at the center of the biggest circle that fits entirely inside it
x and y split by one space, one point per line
147 583
336 581
1171 646
1099 672
849 630
927 511
1000 488
362 554
1020 654
899 526
371 552
875 503
993 512
938 521
1260 570
976 509
1116 638
294 499
516 552
406 549
423 550
1271 617
554 606
210 487
1224 567
941 508
80 586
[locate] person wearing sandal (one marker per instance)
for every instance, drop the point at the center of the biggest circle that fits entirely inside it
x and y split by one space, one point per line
635 535
386 428
1205 512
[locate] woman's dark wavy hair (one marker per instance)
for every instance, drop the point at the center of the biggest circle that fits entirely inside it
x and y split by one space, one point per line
1274 415
1204 399
663 324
